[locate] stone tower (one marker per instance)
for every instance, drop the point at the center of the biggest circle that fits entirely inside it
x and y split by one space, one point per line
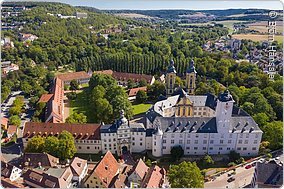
191 78
170 79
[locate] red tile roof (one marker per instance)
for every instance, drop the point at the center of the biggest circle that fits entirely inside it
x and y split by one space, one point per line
140 168
12 129
134 91
154 178
55 106
45 97
4 121
122 76
45 160
7 183
77 166
79 131
74 76
106 169
46 180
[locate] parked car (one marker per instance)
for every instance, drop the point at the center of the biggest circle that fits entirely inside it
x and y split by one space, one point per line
231 179
248 166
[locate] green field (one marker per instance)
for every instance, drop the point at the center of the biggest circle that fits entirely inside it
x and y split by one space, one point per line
140 108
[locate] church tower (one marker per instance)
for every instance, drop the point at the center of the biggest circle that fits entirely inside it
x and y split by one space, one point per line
170 79
190 78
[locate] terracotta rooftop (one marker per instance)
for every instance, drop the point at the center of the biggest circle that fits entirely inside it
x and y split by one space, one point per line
45 97
55 106
74 76
78 165
106 169
122 76
133 92
7 183
4 121
120 180
79 131
12 129
154 178
140 168
42 159
60 178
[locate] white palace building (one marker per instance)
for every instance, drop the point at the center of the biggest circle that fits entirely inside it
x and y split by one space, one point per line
199 124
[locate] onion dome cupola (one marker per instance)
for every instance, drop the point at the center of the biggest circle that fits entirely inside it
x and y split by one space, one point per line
225 96
191 68
123 119
171 68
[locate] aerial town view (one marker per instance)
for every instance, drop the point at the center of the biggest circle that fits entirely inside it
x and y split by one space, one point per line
141 94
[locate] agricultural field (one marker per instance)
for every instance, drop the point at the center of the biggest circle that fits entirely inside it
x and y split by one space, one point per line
262 27
257 37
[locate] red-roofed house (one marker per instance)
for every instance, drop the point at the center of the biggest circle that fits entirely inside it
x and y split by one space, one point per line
132 92
79 169
12 130
103 173
155 178
138 173
87 136
45 98
122 77
81 77
4 123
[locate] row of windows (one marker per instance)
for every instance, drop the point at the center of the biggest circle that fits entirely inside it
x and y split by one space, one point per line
141 144
87 141
141 139
105 140
110 145
88 147
211 148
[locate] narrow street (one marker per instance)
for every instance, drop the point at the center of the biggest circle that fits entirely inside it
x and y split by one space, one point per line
243 178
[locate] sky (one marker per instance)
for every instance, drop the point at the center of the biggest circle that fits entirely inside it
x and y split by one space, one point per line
175 4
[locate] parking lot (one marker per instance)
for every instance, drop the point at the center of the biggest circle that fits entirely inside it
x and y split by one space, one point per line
25 117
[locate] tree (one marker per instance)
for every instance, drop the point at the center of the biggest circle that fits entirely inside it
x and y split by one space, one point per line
74 85
103 111
76 118
51 145
185 175
66 147
130 84
234 156
177 152
207 160
35 144
273 133
263 148
15 120
261 119
142 83
141 96
155 90
15 110
101 79
148 163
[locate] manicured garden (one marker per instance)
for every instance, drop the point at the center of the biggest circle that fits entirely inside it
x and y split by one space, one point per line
140 108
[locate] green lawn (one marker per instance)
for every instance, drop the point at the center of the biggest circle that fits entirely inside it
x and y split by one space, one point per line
140 108
81 105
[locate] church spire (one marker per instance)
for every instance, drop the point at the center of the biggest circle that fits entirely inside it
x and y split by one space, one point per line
170 78
191 78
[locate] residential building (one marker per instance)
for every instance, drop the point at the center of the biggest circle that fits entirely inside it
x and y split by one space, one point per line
4 123
27 37
268 175
12 67
81 77
155 178
87 136
10 171
132 92
103 174
122 78
79 169
81 15
51 178
138 173
35 160
12 130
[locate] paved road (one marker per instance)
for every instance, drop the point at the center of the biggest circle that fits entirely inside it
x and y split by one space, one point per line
243 177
